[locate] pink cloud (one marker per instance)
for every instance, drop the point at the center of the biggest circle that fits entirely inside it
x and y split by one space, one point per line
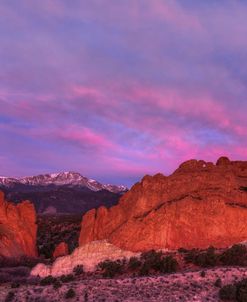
172 12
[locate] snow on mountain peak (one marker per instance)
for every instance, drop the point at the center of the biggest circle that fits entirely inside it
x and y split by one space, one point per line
68 178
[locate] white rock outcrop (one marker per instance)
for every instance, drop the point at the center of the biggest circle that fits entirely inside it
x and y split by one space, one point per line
88 255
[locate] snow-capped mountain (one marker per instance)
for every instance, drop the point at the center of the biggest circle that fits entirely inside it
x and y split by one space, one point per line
71 179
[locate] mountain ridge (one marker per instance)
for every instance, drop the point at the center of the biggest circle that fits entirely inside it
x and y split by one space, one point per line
65 192
70 178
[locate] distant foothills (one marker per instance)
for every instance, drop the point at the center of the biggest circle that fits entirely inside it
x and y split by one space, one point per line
65 192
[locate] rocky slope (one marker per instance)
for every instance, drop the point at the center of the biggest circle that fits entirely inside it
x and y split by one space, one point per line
199 205
17 229
50 193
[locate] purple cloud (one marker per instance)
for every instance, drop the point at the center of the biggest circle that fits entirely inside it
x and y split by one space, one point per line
120 90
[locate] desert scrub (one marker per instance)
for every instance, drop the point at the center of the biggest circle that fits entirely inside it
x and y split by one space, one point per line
234 292
236 255
67 278
134 263
10 297
57 284
218 283
228 292
206 258
110 269
203 274
70 294
15 285
153 261
78 270
47 281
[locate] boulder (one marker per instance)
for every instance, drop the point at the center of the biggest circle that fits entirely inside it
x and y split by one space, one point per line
61 250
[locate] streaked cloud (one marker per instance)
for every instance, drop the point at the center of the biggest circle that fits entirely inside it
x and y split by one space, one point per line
119 89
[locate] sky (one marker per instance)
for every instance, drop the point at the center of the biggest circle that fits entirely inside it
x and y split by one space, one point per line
119 89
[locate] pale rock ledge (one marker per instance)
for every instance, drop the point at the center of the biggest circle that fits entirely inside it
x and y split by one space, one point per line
88 255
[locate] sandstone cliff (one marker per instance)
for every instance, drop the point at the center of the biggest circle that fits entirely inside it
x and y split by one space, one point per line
199 205
17 229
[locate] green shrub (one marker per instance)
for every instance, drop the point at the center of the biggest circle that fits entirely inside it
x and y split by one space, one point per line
191 255
206 258
144 270
70 294
242 290
111 268
153 261
203 274
236 255
182 250
234 292
78 270
67 278
47 281
170 265
218 283
134 263
15 285
85 297
10 297
57 284
228 292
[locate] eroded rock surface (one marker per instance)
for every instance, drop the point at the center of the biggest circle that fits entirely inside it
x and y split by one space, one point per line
88 255
17 229
199 205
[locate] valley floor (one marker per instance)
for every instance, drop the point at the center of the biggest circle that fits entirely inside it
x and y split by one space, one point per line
183 287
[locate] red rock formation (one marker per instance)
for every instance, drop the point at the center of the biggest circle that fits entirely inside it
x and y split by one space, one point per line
61 250
199 205
17 229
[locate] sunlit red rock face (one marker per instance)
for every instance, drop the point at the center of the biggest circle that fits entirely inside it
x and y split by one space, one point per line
199 205
17 229
61 250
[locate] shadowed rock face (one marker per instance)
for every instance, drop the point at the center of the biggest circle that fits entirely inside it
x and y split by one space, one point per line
199 205
17 229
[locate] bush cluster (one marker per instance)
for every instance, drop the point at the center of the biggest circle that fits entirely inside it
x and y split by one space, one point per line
78 270
110 268
67 278
10 297
47 281
70 294
149 262
206 258
234 292
153 261
56 282
235 255
134 263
